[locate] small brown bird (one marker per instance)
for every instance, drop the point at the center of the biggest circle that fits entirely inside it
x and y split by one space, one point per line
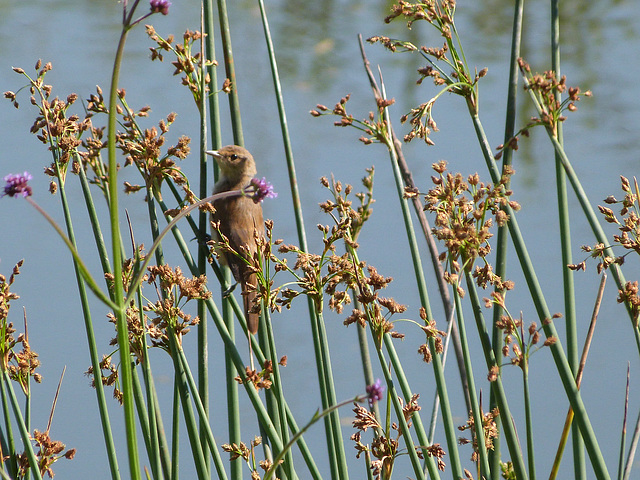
239 218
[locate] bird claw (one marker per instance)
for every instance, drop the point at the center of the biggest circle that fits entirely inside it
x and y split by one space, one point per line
203 240
229 290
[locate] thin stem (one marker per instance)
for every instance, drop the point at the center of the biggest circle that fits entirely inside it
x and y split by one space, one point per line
510 434
411 449
8 444
88 325
528 419
24 433
632 450
623 437
76 256
120 305
230 69
298 435
277 392
537 296
203 227
210 440
583 361
503 234
424 300
475 408
189 417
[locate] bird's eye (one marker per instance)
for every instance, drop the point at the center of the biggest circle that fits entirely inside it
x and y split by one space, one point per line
234 157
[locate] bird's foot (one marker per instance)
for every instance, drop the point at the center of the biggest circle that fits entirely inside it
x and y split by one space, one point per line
203 239
229 290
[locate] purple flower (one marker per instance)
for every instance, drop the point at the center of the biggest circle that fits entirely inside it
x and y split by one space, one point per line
17 185
375 391
160 6
262 189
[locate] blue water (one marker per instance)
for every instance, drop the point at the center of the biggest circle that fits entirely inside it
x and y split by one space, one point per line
319 63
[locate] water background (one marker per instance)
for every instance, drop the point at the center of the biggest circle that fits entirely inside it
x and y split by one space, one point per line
319 62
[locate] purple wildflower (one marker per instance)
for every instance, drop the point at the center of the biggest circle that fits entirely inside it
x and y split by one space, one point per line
16 184
262 189
375 391
160 6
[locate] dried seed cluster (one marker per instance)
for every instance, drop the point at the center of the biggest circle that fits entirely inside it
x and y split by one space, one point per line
48 452
384 448
465 211
64 133
438 13
247 453
628 239
546 90
517 346
329 273
489 427
187 63
446 65
374 127
53 126
20 365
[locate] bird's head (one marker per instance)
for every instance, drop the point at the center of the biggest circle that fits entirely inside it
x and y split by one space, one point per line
235 162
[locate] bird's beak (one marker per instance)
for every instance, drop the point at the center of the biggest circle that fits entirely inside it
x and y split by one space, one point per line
213 153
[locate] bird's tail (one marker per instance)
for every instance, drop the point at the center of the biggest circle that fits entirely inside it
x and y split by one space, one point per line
249 296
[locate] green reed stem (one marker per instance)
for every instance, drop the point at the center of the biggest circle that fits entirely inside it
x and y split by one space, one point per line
284 127
203 228
211 443
632 450
313 469
436 401
365 356
565 246
623 436
404 427
143 415
337 445
165 456
95 222
511 436
148 422
187 409
503 233
155 459
531 459
238 138
175 428
214 104
277 392
475 408
119 311
407 392
24 433
447 416
230 69
4 474
8 444
231 371
537 296
337 459
86 315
